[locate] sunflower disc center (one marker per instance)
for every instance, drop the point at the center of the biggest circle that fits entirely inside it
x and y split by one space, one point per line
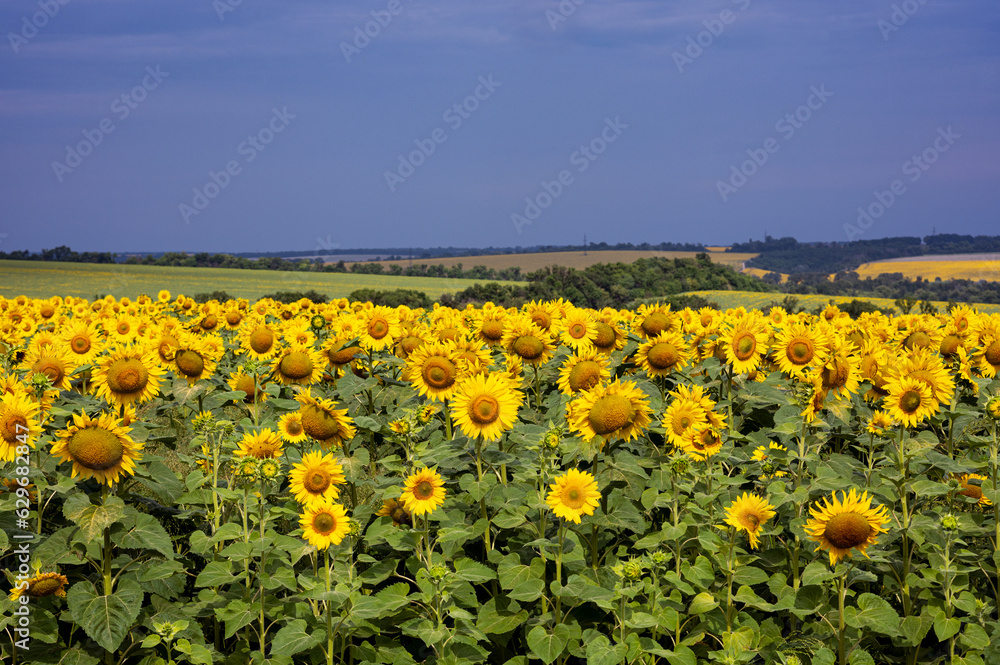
971 491
573 498
45 587
80 344
261 340
96 448
127 375
317 481
577 331
492 330
584 375
12 426
663 355
50 367
378 328
655 323
847 530
611 413
605 336
992 354
917 339
324 523
745 346
949 345
319 424
296 365
342 356
800 351
529 347
484 409
910 401
190 362
439 373
836 376
423 490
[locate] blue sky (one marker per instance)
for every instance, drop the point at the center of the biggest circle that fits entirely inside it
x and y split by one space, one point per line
266 126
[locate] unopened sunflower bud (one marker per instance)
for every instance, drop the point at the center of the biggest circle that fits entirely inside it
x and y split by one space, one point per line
949 522
993 407
632 570
680 465
658 558
792 660
318 322
439 572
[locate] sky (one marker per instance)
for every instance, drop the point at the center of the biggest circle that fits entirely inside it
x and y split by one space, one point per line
264 125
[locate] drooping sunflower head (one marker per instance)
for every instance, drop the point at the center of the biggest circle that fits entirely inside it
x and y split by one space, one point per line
843 525
749 513
40 586
245 383
100 448
396 511
573 495
19 424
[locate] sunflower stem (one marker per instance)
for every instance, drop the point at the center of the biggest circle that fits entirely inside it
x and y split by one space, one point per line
106 565
729 580
329 610
263 558
482 499
558 580
994 449
841 628
903 497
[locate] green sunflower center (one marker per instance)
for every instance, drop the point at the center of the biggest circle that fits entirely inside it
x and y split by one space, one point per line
573 498
423 490
585 375
529 347
296 365
847 530
127 376
410 344
663 355
209 322
95 448
342 356
189 362
836 376
261 340
611 413
744 345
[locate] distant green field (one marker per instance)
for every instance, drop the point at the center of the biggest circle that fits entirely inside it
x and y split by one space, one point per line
37 279
751 300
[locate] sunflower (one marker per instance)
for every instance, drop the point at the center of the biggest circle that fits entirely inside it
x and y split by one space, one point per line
878 423
925 365
486 405
910 401
663 354
573 494
423 492
19 424
82 341
651 320
395 510
244 382
195 358
163 297
433 370
473 357
610 337
264 444
841 526
760 454
993 407
290 427
577 329
973 490
325 525
99 448
489 329
583 372
614 411
128 375
799 347
531 344
122 330
298 365
41 585
690 409
748 513
380 328
542 314
323 421
259 340
315 480
700 443
50 361
745 343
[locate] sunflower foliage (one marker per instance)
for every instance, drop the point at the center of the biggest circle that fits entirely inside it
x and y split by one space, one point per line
300 482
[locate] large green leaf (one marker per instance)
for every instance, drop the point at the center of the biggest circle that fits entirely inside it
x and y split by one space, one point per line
236 614
105 619
293 639
873 613
91 519
547 646
498 621
149 534
601 652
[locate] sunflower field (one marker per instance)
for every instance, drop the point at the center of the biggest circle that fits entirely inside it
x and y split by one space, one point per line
251 482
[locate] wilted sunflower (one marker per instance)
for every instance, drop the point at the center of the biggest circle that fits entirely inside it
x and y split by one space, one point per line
423 492
315 480
663 354
583 372
298 365
99 448
325 525
614 411
573 495
128 375
259 445
323 421
973 490
841 526
486 405
748 513
700 443
910 401
18 418
395 510
433 370
41 585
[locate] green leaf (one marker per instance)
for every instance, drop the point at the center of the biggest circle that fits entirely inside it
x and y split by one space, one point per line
217 573
750 575
816 573
105 619
945 627
527 591
149 534
293 639
974 637
601 652
860 657
236 614
91 519
873 613
703 602
547 646
916 628
473 571
496 622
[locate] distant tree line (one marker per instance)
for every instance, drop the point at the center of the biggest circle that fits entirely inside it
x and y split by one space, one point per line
787 255
893 286
61 253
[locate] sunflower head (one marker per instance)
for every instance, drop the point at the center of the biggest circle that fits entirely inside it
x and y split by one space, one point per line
573 495
41 585
325 525
99 448
423 492
845 524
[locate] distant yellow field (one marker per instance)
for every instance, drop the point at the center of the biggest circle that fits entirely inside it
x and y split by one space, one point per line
757 272
579 260
931 270
751 300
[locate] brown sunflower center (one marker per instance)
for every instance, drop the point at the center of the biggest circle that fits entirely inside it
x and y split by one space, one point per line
972 491
12 426
800 351
529 347
605 336
296 365
611 413
836 376
50 367
123 327
744 345
706 319
573 498
542 319
233 318
492 330
950 345
577 330
847 530
127 376
324 523
378 328
992 354
319 424
917 339
95 448
910 401
342 356
399 515
45 587
80 344
293 427
655 323
409 344
245 383
261 340
484 409
189 362
47 311
439 373
663 355
751 521
585 375
423 490
316 481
